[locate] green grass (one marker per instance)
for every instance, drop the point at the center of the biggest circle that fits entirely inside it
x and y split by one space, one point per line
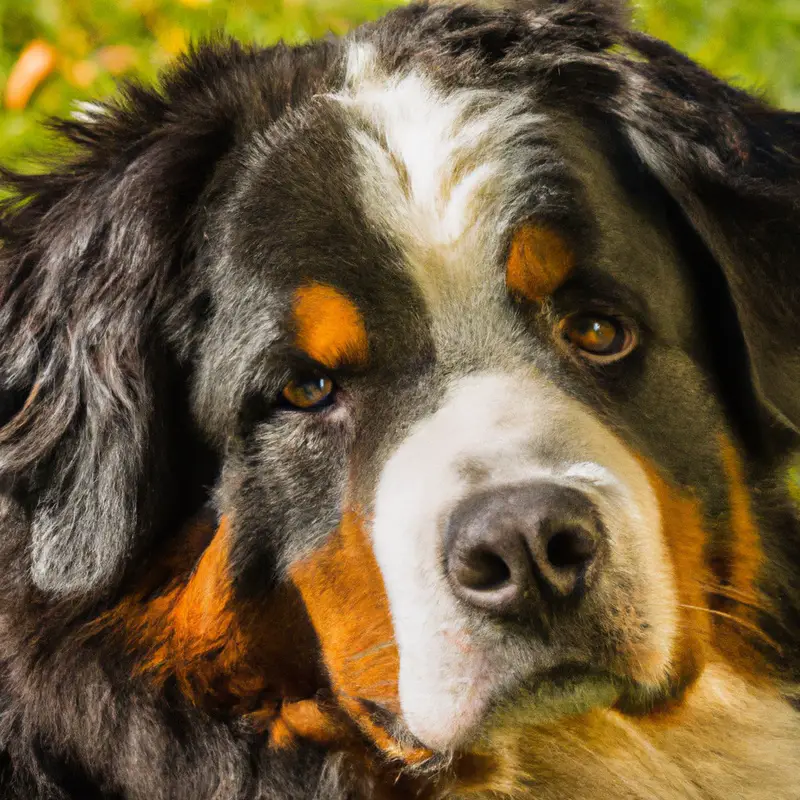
96 42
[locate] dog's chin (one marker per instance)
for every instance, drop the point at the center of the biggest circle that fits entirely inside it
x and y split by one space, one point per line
469 722
546 699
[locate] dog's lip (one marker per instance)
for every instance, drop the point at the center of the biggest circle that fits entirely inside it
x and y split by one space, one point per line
392 724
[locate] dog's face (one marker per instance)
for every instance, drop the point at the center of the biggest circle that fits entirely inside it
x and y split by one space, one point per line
480 379
457 366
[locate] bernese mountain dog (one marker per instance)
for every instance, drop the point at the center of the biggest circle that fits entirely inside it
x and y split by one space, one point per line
406 415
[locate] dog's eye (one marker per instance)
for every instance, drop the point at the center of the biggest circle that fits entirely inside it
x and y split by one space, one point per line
598 337
309 394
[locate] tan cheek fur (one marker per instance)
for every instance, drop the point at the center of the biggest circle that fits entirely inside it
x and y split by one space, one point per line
263 664
182 622
716 577
342 588
686 539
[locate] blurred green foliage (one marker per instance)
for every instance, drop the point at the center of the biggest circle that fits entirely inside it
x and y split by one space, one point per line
97 42
82 47
753 43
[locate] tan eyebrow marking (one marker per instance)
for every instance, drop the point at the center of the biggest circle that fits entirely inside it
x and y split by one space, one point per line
539 261
329 327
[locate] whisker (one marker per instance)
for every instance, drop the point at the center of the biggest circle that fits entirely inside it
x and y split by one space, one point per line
737 595
737 621
749 601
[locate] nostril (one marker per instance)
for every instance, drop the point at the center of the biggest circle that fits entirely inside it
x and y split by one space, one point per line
482 570
571 548
515 550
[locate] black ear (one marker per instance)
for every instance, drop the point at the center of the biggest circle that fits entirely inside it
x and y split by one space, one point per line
733 165
93 254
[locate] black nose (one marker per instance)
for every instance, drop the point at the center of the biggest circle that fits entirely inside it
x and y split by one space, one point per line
508 550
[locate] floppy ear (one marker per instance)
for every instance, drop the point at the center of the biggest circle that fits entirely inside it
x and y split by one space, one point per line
733 165
92 255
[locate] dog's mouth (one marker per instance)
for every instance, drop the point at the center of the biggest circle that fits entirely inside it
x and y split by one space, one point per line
477 755
388 741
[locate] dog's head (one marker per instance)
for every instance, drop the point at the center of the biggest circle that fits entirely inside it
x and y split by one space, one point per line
476 326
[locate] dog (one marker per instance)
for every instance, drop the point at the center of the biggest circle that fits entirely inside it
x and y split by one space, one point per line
406 415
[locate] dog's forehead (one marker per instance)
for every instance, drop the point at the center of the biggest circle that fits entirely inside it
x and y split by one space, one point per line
391 183
407 194
446 172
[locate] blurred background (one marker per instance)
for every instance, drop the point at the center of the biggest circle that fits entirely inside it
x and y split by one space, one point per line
53 52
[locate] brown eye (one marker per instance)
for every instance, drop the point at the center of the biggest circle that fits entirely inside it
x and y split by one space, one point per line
599 338
308 395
